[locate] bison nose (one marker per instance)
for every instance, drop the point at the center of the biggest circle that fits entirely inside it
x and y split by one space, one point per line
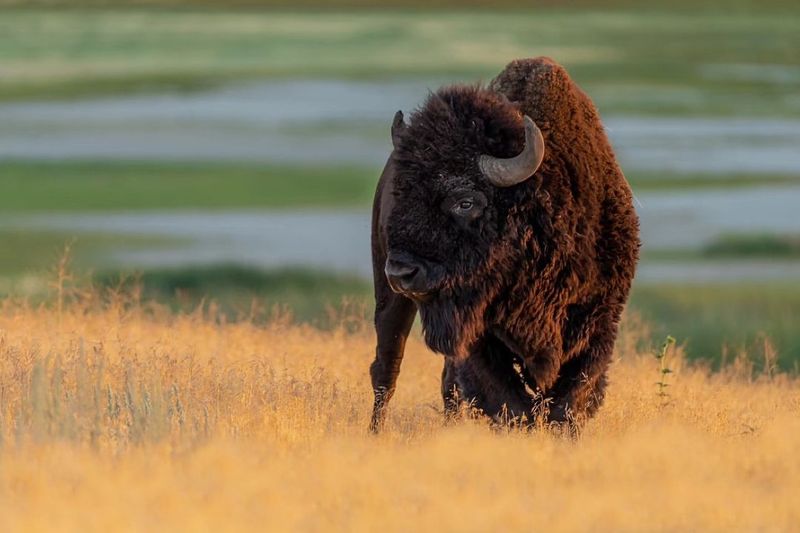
400 271
405 276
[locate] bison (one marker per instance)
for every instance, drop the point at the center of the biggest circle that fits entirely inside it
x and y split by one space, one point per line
503 217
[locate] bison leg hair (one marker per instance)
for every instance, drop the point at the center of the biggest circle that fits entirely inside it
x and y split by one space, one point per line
451 394
394 315
579 390
491 381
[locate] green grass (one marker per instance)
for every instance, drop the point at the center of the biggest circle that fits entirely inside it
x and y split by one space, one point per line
108 186
34 252
719 321
734 246
755 246
657 181
241 291
630 59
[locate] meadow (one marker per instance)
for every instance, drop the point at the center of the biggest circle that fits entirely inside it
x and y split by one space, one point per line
714 324
223 396
64 186
118 414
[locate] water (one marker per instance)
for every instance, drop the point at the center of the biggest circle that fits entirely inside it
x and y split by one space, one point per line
336 240
691 218
323 121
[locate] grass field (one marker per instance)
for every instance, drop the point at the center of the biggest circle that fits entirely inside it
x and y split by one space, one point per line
698 62
120 185
718 321
754 245
236 292
123 416
227 398
714 323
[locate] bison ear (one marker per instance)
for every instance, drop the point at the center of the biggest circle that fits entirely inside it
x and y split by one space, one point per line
398 127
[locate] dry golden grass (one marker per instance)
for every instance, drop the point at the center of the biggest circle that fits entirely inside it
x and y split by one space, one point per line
117 417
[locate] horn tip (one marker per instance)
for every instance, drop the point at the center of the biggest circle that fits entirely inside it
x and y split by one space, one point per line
398 125
530 125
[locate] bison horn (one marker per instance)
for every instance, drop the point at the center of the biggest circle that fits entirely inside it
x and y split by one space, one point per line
398 125
514 170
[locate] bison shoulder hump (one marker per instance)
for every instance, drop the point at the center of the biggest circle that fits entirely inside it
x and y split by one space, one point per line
543 88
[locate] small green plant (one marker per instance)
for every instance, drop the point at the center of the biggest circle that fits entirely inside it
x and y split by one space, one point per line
62 276
664 369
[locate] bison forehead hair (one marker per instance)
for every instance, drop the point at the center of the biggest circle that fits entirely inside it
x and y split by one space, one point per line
470 261
457 124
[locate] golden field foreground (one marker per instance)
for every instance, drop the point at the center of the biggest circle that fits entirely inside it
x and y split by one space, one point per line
122 417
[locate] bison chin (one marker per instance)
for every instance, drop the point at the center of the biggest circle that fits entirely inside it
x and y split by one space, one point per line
451 327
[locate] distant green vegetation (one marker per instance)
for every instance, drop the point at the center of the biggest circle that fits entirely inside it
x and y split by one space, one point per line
33 251
647 181
778 246
720 320
108 186
711 321
715 322
720 60
656 5
240 291
124 185
734 246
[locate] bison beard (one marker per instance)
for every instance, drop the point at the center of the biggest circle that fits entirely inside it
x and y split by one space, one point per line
448 326
521 286
453 321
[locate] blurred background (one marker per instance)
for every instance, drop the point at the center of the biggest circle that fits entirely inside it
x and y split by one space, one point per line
228 151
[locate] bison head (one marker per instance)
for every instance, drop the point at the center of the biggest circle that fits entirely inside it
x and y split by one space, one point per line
453 241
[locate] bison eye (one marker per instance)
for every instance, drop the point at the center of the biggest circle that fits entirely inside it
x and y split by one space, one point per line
465 206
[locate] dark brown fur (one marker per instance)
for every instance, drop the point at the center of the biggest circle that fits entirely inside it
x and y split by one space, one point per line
530 295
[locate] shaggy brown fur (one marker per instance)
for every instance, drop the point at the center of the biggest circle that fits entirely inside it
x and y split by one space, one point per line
529 295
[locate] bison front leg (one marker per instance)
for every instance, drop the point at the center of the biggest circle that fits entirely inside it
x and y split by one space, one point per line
394 315
580 388
492 385
451 394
